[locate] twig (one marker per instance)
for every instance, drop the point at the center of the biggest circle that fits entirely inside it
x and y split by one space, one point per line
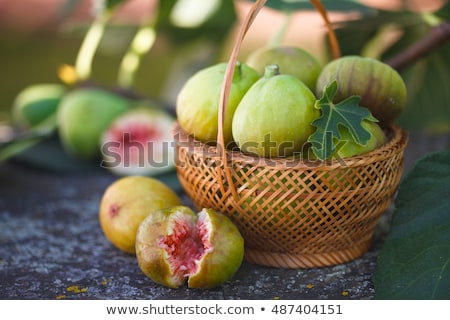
437 36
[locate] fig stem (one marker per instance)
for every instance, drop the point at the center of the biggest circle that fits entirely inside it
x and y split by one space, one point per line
271 70
437 36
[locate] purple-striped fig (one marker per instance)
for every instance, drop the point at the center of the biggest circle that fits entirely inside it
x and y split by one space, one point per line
381 88
175 245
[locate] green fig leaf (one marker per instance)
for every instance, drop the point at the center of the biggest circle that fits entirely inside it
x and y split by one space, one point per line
414 262
17 145
347 113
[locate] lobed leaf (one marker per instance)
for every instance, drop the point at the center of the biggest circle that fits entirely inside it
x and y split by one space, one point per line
347 113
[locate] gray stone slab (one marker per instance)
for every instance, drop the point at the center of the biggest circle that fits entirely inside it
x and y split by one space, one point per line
52 247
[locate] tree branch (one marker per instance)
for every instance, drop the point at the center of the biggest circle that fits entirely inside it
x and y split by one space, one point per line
437 36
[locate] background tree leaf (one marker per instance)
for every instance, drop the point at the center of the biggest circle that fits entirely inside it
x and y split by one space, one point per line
216 26
428 95
330 5
426 79
414 262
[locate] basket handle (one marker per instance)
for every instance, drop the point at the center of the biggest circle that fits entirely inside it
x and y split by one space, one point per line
226 86
229 73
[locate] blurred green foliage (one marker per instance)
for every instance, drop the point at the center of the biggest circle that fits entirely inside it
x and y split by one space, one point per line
179 50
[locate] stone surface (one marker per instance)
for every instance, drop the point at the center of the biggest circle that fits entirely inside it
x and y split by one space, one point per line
52 247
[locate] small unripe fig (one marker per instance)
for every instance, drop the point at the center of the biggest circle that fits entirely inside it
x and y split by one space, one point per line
176 244
348 147
291 60
274 117
126 202
381 88
83 115
197 104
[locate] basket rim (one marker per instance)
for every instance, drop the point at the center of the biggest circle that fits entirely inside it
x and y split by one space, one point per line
398 139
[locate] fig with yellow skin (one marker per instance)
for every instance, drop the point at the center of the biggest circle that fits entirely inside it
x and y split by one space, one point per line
126 203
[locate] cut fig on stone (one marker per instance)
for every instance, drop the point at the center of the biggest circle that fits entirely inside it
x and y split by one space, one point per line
139 142
175 245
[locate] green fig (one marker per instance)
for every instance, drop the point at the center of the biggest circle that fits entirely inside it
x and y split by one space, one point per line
83 115
291 60
348 147
37 104
274 117
176 244
381 88
198 100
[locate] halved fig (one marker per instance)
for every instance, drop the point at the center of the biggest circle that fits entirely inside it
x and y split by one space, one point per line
175 245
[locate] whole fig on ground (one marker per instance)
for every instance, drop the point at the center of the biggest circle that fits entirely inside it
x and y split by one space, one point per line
274 117
291 60
381 88
197 103
139 142
126 203
175 244
36 104
83 115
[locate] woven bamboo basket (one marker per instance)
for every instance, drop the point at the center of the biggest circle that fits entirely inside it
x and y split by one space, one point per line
292 213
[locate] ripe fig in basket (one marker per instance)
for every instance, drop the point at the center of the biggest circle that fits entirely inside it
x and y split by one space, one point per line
126 202
197 103
381 88
347 146
291 60
176 244
274 117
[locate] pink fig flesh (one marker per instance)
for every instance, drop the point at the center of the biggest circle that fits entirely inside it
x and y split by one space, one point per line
139 143
175 244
